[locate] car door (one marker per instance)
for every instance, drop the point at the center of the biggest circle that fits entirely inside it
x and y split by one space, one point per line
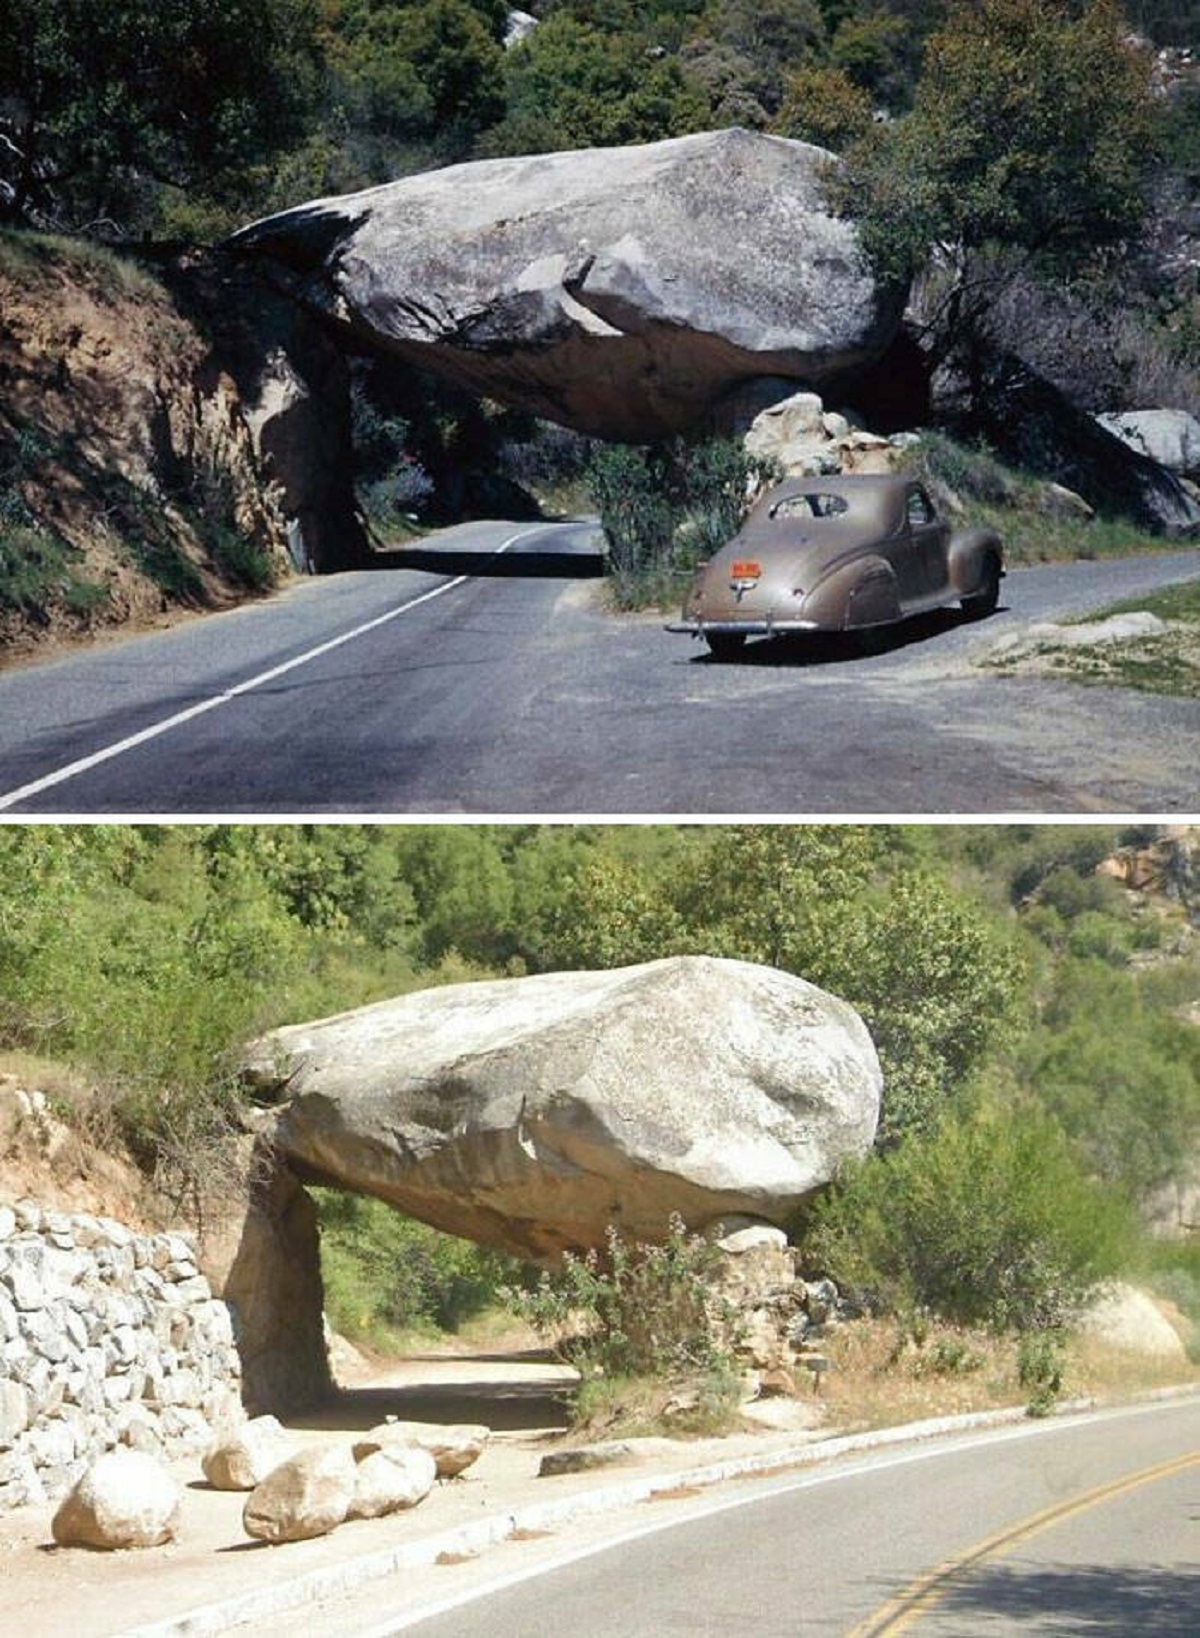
927 540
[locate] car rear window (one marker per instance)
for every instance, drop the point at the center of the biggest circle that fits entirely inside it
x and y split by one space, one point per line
812 504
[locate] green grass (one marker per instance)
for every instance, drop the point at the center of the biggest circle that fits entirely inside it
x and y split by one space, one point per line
1032 537
39 572
27 255
1178 602
1013 503
1168 663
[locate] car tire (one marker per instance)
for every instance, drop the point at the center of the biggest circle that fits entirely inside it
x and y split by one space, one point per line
725 645
985 599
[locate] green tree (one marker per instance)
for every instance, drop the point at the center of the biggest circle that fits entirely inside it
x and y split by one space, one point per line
984 1219
937 981
103 96
462 888
777 36
570 85
825 106
609 915
1122 1077
1029 135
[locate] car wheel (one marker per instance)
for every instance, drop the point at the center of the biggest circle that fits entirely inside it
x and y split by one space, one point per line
985 599
725 645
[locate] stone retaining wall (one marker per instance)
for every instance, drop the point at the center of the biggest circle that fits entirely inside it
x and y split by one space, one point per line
106 1337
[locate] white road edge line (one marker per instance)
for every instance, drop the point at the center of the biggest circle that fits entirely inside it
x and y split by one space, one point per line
47 782
872 1462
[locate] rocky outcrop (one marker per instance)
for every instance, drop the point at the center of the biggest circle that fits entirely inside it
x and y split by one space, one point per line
1033 425
268 1270
1165 866
283 389
177 437
803 439
621 291
532 1113
107 1337
1169 436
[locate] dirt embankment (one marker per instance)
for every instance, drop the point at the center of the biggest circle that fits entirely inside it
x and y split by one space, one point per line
158 434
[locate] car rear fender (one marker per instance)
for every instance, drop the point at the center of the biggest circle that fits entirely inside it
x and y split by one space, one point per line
863 593
967 558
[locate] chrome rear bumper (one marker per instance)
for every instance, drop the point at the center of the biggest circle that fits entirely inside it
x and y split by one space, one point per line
748 628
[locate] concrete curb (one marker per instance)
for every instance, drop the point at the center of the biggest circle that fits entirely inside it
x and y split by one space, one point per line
468 1540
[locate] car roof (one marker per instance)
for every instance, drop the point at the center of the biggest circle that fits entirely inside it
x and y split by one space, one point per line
875 495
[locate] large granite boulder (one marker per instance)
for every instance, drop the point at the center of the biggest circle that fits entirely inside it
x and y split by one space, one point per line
530 1113
621 291
1169 436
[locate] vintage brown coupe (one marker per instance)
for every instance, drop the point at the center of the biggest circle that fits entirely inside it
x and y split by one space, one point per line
838 554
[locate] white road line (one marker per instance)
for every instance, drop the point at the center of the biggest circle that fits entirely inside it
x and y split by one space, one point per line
48 781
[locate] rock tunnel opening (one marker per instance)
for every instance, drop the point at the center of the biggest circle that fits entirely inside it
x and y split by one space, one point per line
308 1250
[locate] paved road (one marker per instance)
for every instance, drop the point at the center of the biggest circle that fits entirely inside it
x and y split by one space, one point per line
1082 1527
466 682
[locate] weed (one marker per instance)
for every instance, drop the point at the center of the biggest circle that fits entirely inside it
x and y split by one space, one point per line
1178 602
242 558
1041 1367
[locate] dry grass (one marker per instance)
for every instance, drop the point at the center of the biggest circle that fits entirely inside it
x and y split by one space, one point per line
881 1377
49 1075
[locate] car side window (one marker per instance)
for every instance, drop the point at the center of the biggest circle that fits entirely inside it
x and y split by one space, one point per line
920 512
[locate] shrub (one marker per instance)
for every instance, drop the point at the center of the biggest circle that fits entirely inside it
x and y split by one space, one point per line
629 488
986 1220
972 470
1040 1370
663 507
640 1311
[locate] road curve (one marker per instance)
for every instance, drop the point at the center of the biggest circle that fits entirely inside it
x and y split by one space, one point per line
1086 1525
481 676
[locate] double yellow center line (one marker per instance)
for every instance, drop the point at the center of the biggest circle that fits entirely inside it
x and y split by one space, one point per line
900 1613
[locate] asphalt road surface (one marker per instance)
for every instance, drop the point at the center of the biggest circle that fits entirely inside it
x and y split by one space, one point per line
480 675
1086 1526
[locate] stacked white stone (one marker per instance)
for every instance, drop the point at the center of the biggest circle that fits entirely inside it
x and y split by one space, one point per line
107 1337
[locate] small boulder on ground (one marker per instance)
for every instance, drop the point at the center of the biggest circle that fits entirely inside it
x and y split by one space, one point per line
246 1456
392 1479
1124 1317
125 1499
453 1446
307 1495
